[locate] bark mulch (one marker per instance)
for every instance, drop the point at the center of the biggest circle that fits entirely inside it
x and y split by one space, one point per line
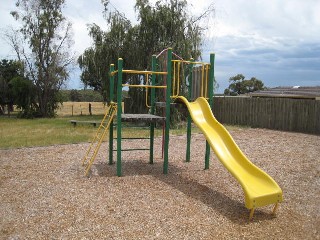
44 195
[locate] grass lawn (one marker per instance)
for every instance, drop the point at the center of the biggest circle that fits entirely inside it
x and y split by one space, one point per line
42 132
16 133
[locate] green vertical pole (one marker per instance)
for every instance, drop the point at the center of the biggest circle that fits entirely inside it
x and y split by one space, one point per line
111 89
211 81
189 117
119 111
152 109
168 99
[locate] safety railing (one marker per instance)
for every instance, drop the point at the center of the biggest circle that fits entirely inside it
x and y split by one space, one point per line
199 79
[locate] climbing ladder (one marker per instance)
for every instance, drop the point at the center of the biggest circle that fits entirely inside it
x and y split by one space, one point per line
97 140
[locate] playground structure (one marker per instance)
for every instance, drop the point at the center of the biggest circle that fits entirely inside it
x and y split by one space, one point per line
259 188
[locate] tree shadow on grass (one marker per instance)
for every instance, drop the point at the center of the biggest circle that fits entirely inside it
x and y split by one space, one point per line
218 201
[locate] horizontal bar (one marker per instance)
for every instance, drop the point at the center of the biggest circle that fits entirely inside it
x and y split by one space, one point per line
134 138
115 126
133 149
144 72
143 86
189 62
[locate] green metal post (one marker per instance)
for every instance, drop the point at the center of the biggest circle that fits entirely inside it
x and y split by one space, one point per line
211 81
168 99
189 117
119 112
152 109
111 89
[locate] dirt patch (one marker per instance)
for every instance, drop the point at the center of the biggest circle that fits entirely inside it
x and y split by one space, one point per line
45 195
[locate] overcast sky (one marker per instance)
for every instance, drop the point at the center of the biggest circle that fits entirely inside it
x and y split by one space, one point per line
277 41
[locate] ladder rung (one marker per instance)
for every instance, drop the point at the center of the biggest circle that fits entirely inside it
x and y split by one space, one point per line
133 149
134 138
98 139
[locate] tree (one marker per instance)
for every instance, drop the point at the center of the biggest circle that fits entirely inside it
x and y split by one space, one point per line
167 24
15 88
22 91
9 69
44 49
238 85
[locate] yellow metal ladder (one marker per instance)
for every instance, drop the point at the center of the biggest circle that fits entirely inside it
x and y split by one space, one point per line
97 140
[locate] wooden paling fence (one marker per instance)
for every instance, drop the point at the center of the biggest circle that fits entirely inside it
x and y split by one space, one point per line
298 115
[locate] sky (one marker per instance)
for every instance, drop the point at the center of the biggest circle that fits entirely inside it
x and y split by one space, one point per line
276 41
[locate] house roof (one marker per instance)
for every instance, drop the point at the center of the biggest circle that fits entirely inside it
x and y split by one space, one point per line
290 92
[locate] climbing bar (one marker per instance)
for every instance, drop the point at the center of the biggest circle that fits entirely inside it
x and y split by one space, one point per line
133 138
190 62
176 78
202 81
147 105
142 86
207 80
133 149
144 72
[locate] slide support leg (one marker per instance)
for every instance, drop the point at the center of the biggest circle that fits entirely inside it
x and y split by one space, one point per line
251 214
275 208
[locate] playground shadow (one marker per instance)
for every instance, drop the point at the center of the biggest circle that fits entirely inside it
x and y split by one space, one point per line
218 201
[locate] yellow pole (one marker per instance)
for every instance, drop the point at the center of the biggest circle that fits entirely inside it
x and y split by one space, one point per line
202 81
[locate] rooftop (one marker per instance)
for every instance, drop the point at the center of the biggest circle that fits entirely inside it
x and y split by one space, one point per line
290 92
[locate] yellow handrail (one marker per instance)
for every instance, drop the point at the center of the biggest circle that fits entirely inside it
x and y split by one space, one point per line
189 62
178 84
144 72
202 81
174 78
207 79
142 86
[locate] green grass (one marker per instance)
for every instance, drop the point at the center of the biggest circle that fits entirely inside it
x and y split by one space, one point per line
17 133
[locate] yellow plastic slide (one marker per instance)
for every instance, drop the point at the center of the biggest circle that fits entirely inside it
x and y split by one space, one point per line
259 188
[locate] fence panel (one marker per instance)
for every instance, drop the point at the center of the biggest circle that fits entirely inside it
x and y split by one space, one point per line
300 115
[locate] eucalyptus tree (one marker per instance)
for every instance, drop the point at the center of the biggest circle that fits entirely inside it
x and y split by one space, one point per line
46 39
239 85
165 24
107 47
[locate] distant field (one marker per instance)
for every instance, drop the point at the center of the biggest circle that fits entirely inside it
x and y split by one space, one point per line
81 108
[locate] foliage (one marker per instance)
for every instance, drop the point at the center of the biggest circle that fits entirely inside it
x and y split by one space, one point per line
87 95
166 24
22 91
8 70
43 45
238 85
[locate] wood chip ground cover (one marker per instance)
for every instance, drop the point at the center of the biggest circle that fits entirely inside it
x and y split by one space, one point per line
44 194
